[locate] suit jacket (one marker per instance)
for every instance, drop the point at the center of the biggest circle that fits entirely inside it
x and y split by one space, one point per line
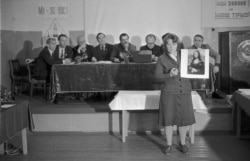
212 52
103 55
89 51
44 63
156 50
68 52
118 48
176 84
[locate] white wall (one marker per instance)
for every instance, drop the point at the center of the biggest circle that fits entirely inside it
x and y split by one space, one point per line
141 17
22 29
21 15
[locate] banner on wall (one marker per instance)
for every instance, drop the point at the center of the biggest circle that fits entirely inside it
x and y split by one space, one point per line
53 10
226 13
54 30
232 9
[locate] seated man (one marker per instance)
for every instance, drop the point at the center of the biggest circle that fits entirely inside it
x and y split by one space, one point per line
150 45
83 52
198 43
45 60
123 50
62 50
103 50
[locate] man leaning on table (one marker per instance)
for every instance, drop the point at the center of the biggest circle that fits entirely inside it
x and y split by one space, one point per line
124 50
63 51
83 52
46 59
103 50
150 45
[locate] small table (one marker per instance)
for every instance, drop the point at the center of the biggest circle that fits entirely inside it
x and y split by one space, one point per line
146 100
241 103
14 119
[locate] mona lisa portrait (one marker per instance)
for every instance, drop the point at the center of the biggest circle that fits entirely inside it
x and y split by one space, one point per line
195 63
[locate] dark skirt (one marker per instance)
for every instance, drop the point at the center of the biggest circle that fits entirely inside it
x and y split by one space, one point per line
176 109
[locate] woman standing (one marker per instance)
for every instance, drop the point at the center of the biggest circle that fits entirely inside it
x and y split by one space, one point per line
176 106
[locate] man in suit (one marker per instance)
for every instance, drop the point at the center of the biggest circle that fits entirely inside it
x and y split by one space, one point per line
124 50
45 60
63 51
103 50
150 45
83 52
198 44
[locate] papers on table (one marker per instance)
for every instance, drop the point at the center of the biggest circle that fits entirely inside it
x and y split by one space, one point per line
244 91
7 105
104 62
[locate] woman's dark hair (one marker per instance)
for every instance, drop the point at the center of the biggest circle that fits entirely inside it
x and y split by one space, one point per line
163 36
172 37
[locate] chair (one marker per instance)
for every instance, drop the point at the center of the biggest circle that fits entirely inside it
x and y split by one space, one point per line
18 75
34 83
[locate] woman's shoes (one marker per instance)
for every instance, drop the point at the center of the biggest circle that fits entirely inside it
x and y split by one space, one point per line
168 150
184 149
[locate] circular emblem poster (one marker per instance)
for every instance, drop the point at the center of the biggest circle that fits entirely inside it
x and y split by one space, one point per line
243 51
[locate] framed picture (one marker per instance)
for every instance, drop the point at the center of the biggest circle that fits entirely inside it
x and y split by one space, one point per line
195 63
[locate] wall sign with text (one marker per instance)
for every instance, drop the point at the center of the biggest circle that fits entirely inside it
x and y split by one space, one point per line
232 9
226 13
53 10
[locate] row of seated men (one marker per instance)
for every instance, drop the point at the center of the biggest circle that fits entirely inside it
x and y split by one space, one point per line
83 52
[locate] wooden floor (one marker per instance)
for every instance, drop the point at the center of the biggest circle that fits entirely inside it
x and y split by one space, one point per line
105 147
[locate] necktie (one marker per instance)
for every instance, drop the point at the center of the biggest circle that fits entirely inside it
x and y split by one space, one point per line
62 54
102 48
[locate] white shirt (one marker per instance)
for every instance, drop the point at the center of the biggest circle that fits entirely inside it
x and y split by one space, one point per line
173 56
61 51
50 51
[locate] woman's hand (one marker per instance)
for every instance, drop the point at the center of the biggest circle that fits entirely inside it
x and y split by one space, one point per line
193 70
174 72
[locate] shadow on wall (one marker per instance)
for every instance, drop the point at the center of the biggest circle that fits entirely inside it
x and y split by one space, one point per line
92 39
136 40
187 41
27 52
158 41
73 37
24 53
110 39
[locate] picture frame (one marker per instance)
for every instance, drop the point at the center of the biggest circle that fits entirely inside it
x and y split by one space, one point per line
195 63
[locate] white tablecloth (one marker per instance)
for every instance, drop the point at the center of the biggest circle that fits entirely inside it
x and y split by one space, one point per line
147 100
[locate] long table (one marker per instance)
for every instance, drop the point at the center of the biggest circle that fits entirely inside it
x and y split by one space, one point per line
242 103
103 77
126 101
15 119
